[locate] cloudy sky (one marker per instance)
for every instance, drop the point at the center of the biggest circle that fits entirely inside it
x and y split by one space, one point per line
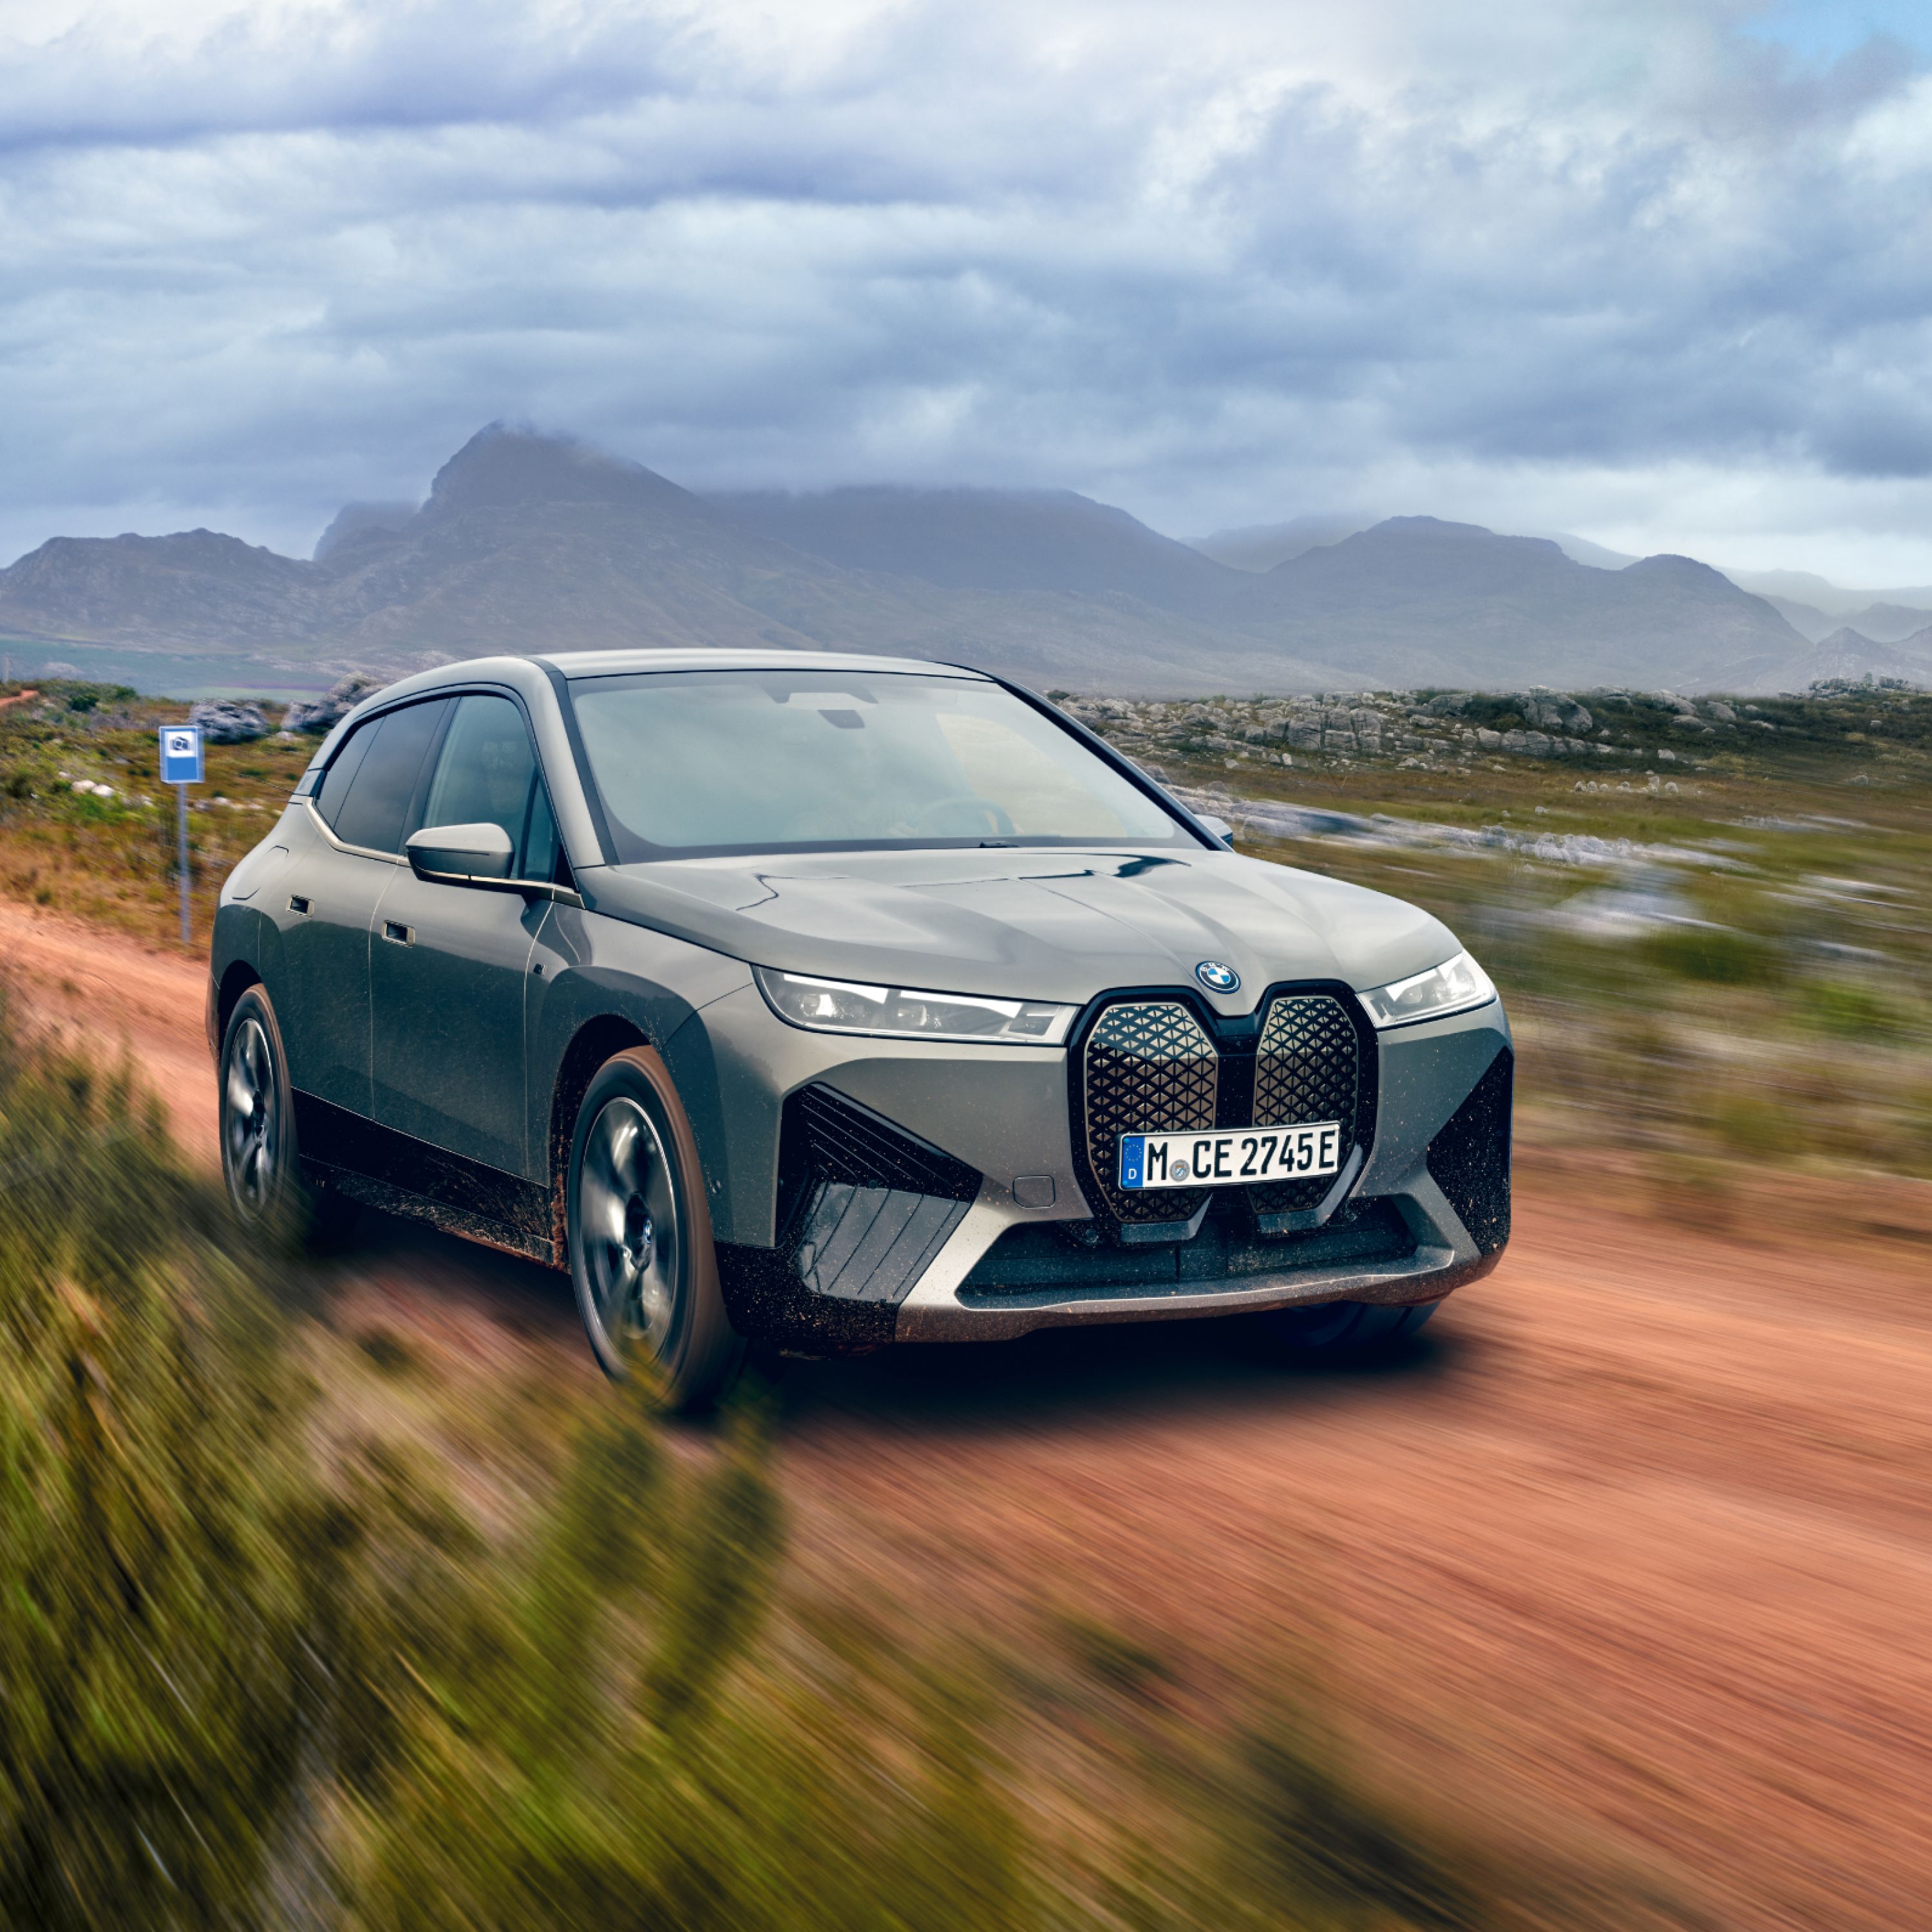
1659 271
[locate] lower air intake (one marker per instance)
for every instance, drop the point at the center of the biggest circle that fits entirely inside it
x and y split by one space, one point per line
1469 1160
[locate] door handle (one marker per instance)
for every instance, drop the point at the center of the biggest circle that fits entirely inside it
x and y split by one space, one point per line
399 935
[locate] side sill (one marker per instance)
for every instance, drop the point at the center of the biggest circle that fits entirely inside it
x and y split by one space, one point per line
451 1220
465 1196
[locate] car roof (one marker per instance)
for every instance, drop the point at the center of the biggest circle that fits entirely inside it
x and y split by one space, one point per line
617 663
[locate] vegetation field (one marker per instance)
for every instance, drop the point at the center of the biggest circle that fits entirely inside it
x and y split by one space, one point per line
1716 953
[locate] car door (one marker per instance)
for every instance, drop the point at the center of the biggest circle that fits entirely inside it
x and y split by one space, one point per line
364 799
447 963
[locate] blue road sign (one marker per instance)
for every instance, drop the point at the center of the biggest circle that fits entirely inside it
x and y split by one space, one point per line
181 754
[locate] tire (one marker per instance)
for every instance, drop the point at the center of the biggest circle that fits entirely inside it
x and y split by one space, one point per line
1347 1327
642 1259
261 1162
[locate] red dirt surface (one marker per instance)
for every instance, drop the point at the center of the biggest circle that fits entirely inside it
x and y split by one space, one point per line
1633 1552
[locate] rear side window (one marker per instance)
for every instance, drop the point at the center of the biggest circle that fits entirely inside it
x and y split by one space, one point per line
341 772
486 775
368 803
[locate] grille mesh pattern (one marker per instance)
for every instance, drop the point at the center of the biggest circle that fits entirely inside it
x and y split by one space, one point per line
1149 1068
1307 1067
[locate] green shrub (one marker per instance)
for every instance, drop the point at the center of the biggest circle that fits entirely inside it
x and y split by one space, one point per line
1756 1128
151 1607
1718 954
1848 1011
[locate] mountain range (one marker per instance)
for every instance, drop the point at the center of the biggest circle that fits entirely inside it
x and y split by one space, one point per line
529 542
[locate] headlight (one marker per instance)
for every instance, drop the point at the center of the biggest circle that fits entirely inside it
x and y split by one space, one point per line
839 1006
1454 987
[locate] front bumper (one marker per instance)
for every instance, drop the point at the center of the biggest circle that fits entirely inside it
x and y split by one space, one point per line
1403 1249
980 1226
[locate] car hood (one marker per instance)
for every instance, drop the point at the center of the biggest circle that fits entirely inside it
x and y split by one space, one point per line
1057 925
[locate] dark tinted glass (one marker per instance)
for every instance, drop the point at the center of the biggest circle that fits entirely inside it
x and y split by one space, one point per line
540 847
379 794
486 771
342 770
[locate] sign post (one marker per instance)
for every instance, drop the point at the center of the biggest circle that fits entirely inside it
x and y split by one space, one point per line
180 767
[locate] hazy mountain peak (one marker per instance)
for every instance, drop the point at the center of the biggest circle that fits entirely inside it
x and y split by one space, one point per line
504 466
1258 547
359 523
1439 531
1685 569
964 539
528 539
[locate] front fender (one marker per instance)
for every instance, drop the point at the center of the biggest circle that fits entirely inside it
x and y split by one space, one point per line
588 969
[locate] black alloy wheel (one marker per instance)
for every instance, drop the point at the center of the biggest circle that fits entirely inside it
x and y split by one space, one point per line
642 1260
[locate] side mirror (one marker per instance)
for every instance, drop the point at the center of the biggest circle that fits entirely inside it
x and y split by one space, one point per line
456 854
1221 829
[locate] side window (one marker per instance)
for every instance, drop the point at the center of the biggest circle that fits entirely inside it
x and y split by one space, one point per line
374 802
341 772
541 847
487 775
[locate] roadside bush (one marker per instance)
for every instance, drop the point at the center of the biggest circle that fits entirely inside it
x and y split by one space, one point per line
1716 954
1846 1010
151 1482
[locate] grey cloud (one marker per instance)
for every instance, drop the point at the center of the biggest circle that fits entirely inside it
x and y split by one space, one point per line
1212 276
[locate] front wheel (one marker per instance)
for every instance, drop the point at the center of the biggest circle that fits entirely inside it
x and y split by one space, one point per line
1353 1327
641 1257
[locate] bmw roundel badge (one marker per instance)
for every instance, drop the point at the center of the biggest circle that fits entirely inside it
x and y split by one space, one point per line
1216 977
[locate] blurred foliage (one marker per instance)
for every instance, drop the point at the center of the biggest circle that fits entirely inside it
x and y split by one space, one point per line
261 1664
153 1497
1723 957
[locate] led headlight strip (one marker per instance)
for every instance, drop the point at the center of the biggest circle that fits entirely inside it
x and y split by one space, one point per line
843 1006
1454 987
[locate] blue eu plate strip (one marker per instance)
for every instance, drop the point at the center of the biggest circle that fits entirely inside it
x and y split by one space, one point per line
1133 1159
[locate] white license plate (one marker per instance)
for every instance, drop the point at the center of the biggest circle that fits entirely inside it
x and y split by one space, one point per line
1221 1159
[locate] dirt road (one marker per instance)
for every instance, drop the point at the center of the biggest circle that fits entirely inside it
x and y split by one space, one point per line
1635 1552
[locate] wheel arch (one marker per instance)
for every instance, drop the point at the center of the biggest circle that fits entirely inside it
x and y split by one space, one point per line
236 979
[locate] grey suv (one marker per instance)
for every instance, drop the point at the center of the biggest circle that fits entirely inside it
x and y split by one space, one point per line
834 1001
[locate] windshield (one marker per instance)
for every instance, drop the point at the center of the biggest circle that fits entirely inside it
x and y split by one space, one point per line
689 762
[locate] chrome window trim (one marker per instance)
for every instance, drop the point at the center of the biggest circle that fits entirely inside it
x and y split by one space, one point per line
322 825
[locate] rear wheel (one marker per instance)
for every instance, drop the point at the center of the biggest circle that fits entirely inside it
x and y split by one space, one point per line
641 1256
1356 1327
260 1161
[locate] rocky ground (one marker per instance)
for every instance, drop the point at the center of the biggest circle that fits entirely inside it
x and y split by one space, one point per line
1618 731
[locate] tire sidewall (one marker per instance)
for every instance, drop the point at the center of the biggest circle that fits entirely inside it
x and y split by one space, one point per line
701 1350
285 1198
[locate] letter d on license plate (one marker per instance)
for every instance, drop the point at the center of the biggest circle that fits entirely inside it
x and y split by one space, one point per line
1224 1159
